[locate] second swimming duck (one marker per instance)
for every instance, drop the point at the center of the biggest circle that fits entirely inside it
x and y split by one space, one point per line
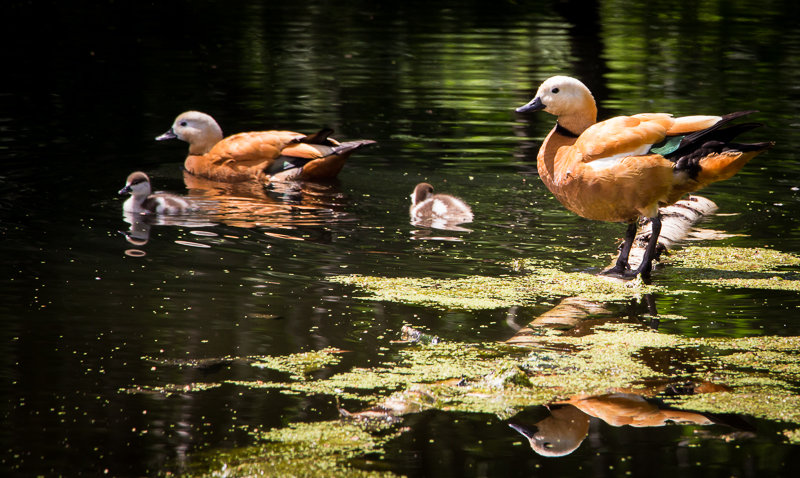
259 155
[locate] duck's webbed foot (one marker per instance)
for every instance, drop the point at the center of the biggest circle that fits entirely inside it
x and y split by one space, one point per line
622 268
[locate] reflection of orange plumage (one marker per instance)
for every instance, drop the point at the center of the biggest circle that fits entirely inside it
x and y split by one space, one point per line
627 167
249 204
567 425
620 409
261 155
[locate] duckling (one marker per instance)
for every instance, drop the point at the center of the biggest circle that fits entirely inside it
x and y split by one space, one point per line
627 167
443 207
260 155
142 201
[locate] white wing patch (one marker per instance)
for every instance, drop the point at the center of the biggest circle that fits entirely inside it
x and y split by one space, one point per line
600 164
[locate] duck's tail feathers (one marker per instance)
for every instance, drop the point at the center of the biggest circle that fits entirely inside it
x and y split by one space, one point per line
350 146
714 132
714 161
711 155
315 161
732 157
320 137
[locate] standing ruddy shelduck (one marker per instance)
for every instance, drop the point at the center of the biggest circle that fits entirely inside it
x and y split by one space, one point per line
626 167
143 201
258 155
437 207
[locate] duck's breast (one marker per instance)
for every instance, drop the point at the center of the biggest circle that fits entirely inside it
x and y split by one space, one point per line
619 191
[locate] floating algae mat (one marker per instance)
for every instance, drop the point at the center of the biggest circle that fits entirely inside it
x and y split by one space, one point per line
758 376
302 449
481 292
299 365
734 267
755 376
753 268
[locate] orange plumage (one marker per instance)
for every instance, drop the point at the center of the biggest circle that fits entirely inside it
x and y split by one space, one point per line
626 167
261 155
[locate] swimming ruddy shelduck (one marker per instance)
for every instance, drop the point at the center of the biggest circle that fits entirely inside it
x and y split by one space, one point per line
258 155
437 207
627 167
142 199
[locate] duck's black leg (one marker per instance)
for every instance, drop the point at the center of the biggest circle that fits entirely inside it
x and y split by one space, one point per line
622 260
650 253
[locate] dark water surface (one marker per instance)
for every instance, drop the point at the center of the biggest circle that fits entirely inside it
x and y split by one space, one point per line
84 311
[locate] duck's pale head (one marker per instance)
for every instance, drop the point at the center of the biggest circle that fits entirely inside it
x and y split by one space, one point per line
422 192
198 129
567 98
137 184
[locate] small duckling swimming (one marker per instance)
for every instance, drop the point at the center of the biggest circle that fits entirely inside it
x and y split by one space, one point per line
143 201
426 206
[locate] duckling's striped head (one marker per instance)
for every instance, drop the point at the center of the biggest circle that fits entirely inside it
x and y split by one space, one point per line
137 184
422 192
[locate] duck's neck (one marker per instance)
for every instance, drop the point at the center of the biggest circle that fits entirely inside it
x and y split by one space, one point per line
558 137
547 153
578 121
202 141
201 146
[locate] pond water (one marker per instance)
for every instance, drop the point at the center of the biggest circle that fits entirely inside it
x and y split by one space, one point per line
94 319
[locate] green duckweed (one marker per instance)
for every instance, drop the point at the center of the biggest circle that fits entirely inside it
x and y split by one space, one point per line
299 365
755 376
324 449
480 292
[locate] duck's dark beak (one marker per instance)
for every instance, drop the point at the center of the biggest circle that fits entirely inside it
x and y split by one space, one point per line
534 105
525 430
168 135
125 190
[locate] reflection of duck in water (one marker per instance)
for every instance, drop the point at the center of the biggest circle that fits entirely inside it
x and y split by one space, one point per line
618 409
143 201
259 155
567 425
139 232
437 210
559 434
285 204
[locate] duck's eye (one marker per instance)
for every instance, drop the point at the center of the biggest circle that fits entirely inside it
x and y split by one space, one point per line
184 123
555 90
